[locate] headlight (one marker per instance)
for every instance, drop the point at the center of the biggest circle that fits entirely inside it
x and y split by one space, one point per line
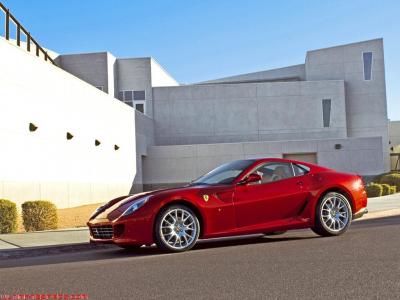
135 205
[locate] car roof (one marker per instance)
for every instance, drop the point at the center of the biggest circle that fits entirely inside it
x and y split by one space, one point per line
312 166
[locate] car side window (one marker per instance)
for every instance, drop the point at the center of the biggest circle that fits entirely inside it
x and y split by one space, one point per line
300 170
271 172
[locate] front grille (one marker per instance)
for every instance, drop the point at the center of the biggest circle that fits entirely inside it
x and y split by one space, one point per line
102 232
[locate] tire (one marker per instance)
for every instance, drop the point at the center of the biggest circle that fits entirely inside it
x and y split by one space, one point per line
130 247
275 232
333 215
176 229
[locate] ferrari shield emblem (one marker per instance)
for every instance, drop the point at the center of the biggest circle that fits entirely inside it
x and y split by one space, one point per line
206 197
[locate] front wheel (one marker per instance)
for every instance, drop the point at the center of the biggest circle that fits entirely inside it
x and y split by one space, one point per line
177 229
333 215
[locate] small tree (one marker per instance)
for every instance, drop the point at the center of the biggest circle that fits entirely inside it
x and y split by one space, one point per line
39 215
385 189
374 190
8 216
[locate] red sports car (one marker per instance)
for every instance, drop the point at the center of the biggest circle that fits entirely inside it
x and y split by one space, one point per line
241 197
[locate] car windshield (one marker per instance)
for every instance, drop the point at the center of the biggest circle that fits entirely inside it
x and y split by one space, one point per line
224 174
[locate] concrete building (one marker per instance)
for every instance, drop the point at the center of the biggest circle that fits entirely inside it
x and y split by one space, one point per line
331 110
129 79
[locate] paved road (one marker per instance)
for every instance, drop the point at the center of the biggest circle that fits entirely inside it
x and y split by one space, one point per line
363 263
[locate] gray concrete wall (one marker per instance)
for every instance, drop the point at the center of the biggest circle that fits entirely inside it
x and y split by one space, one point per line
394 133
144 138
90 67
291 73
365 100
174 165
135 74
201 114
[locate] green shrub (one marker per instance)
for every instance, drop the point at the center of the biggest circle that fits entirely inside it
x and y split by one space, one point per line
385 189
393 189
374 190
39 215
8 216
392 179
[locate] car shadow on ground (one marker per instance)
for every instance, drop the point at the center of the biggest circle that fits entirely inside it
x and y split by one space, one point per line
114 252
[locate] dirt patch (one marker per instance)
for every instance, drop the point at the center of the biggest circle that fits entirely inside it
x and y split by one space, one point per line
75 216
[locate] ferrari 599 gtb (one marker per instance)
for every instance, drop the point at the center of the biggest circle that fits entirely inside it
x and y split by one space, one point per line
241 197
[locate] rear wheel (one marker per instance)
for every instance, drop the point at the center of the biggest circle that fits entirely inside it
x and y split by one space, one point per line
333 215
177 229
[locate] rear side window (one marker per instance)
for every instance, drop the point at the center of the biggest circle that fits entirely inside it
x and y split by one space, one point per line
300 170
274 171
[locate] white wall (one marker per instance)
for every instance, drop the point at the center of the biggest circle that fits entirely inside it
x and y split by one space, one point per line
44 164
159 76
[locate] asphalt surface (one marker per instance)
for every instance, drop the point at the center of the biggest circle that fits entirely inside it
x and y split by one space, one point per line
363 263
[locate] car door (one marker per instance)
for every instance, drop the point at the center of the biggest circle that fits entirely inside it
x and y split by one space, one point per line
279 196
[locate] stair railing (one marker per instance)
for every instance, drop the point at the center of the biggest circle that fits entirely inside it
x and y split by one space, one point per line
20 30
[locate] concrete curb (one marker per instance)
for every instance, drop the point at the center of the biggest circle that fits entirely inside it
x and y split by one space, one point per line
380 214
50 250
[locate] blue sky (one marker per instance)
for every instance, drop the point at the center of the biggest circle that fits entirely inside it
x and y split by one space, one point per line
205 39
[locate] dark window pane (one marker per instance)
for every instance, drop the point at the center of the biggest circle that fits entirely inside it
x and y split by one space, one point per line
121 95
274 172
140 107
128 95
326 112
367 60
139 95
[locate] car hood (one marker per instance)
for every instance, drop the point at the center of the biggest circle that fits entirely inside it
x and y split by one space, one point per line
117 206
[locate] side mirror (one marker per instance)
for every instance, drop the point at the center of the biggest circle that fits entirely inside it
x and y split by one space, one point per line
253 177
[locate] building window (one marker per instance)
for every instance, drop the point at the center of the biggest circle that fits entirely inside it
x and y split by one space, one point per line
128 96
100 87
140 107
135 99
326 112
139 95
367 61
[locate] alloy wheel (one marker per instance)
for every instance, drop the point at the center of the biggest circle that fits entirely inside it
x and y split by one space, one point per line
335 214
178 228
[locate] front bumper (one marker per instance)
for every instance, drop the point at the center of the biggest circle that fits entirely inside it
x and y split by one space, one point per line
128 231
360 213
